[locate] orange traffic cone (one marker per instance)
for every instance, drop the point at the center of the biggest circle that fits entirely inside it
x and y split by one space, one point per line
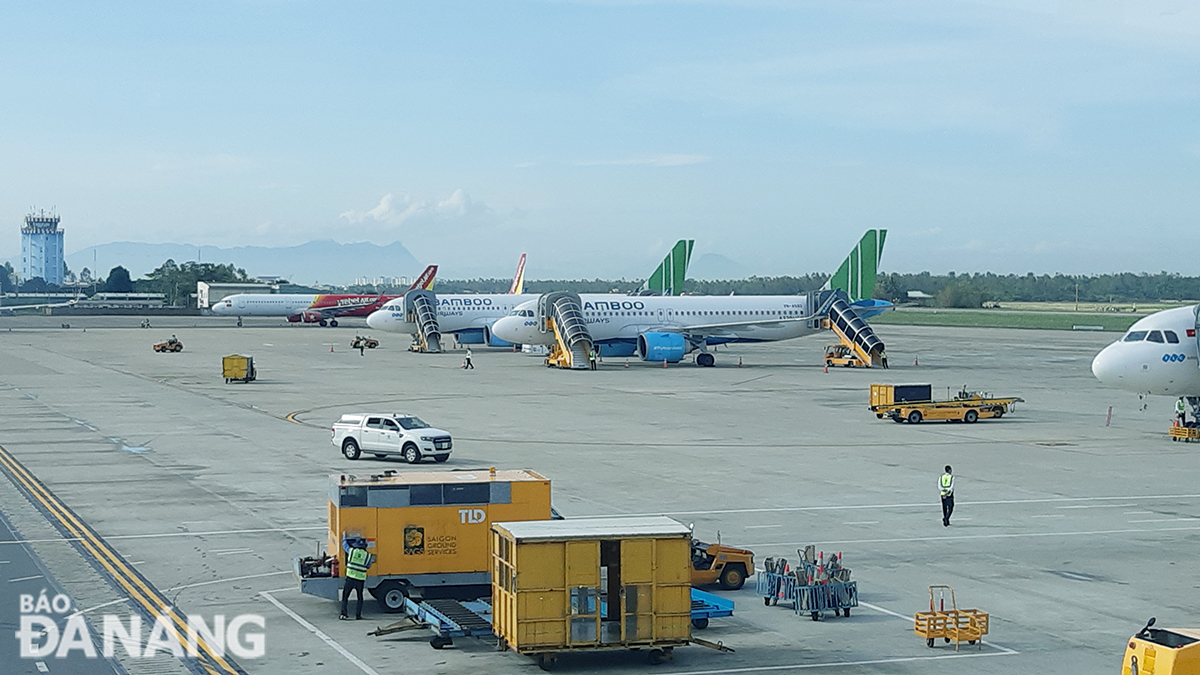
664 363
739 362
330 349
826 367
626 363
915 361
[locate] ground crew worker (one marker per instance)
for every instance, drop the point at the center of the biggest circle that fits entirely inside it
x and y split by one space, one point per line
883 358
946 485
357 563
1181 412
467 365
592 359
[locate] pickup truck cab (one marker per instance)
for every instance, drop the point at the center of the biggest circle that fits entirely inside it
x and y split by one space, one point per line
383 434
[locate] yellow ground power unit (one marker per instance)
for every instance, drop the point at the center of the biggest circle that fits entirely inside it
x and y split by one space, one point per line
428 531
591 584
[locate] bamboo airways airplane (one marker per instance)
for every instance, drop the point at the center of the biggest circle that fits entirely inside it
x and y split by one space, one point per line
469 317
1158 355
667 328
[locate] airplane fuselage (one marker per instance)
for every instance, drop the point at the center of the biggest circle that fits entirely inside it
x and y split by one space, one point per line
456 313
296 304
1158 354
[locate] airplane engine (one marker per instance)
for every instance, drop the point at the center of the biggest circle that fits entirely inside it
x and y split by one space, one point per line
471 337
311 317
493 341
295 318
668 347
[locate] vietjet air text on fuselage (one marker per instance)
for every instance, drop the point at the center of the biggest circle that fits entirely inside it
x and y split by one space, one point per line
1158 355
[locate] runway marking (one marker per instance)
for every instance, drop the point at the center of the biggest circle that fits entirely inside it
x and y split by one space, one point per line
36 576
1097 506
186 586
162 535
911 619
761 527
42 668
324 638
922 505
1049 515
135 586
1137 513
1163 520
1018 535
862 522
238 552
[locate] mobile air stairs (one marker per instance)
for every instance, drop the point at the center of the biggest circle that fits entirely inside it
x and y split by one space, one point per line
561 313
853 331
420 308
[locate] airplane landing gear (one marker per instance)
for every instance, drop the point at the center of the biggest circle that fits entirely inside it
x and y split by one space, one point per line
322 323
332 323
706 360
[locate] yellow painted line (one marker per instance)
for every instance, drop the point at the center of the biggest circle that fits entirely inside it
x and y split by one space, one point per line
138 589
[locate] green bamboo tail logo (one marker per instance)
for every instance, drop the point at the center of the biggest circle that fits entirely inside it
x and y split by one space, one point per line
668 278
856 276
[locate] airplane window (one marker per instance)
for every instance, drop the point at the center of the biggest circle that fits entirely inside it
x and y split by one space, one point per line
1171 337
1134 336
1154 336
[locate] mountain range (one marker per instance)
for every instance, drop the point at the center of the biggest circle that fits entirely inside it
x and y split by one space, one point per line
316 262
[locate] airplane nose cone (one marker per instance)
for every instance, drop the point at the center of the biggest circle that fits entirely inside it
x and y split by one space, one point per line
376 320
1106 366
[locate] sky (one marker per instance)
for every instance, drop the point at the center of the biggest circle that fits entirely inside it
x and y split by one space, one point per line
1002 136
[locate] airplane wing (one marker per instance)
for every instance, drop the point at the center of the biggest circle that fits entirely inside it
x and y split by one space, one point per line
725 329
8 309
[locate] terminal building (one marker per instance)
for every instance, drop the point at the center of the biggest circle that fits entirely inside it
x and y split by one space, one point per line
42 248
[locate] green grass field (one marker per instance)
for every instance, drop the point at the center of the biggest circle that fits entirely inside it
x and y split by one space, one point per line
994 319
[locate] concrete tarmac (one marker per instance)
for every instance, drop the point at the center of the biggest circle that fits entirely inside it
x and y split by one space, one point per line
1070 533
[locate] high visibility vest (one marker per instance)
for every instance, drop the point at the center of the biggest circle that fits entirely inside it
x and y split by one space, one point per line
1180 407
357 563
947 484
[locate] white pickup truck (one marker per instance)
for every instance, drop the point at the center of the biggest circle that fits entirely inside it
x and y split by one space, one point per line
383 434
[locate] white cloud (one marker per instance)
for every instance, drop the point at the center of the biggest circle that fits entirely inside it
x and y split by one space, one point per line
648 160
393 211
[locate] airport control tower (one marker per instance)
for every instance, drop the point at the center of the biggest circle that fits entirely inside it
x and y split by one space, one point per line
42 248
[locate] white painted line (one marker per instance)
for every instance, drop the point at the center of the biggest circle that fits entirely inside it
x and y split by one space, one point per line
180 588
5 562
324 638
1140 530
1162 520
912 619
282 590
1059 515
782 509
140 562
761 527
236 551
862 522
36 576
41 666
1097 506
842 664
1137 513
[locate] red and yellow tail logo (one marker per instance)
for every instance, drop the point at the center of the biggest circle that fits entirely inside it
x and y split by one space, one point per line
518 284
425 281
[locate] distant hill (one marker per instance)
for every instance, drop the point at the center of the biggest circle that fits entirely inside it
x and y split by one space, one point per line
715 266
324 261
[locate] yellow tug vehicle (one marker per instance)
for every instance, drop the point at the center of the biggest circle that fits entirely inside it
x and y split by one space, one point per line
1162 651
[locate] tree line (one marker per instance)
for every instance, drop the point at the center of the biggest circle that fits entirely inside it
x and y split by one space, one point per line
176 281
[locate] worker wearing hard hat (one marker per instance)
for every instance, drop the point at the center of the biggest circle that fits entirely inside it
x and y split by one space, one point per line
358 561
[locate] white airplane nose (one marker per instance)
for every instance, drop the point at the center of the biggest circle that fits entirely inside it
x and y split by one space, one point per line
1107 366
376 320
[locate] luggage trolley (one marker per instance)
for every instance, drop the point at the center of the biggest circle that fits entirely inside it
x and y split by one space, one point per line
959 625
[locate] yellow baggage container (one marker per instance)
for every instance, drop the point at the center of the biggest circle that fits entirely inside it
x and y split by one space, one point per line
238 368
428 530
590 584
1173 651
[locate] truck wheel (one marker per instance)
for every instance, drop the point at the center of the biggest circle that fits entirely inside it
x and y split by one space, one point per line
390 596
971 416
733 577
914 417
700 624
656 657
350 449
438 642
440 458
547 661
411 454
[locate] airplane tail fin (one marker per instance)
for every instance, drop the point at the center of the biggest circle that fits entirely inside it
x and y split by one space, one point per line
425 281
518 283
669 277
856 276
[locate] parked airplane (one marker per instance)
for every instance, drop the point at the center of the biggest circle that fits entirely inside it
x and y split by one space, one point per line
1157 355
666 328
311 308
469 317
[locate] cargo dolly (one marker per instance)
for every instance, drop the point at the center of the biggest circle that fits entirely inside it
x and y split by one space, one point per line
954 624
913 403
449 619
817 586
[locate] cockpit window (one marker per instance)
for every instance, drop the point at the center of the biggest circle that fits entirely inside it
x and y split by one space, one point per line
412 423
1154 336
1135 336
1171 337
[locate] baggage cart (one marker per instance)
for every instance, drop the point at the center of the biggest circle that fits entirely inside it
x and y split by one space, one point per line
913 403
954 624
1185 433
238 368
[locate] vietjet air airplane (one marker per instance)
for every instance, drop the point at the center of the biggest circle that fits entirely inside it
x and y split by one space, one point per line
666 328
469 317
1157 355
311 308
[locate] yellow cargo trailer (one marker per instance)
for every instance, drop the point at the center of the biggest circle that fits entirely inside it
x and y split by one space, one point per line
1173 651
238 368
591 584
428 530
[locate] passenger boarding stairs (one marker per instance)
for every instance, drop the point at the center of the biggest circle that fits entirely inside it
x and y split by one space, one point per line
562 314
852 329
420 308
